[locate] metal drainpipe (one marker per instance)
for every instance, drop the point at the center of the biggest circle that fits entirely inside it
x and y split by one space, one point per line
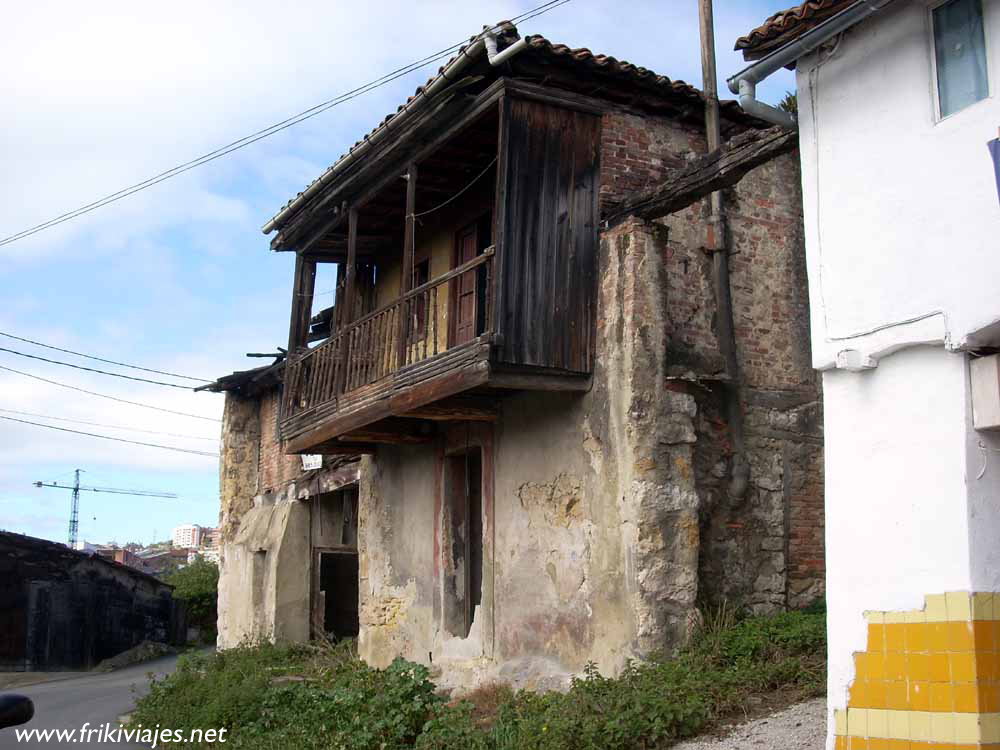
745 82
719 246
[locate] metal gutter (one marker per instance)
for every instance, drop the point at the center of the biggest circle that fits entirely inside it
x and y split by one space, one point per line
745 82
486 41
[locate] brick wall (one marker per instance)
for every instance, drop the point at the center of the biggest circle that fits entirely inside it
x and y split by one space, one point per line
765 547
276 469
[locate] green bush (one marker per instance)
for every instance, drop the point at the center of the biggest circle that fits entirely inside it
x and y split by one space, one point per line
198 585
335 702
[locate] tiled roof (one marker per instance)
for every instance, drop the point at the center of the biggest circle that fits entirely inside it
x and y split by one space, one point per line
787 25
582 57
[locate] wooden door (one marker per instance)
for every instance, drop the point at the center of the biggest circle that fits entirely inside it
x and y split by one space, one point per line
465 301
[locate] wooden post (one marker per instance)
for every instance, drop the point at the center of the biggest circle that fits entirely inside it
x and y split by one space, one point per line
347 309
406 279
302 296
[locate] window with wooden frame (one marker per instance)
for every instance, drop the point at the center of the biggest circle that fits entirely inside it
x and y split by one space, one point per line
960 60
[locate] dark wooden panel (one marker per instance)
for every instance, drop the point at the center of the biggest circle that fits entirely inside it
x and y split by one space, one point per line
548 242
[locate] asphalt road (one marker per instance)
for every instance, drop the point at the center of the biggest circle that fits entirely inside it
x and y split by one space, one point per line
93 698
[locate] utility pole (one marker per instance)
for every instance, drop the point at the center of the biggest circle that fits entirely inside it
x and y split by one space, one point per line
74 514
717 243
76 487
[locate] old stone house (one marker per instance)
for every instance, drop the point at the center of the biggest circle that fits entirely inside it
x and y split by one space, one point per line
545 422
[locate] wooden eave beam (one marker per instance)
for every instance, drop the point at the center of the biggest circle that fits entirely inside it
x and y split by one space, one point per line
458 408
717 170
393 430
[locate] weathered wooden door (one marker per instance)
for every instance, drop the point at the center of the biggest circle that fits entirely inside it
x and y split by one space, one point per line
466 300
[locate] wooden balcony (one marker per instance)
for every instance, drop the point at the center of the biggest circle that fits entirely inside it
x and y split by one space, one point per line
392 362
493 252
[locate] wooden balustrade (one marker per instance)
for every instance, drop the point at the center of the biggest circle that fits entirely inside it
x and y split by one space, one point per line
368 349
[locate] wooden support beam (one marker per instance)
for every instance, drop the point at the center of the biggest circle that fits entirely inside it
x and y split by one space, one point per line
394 430
714 171
340 448
347 309
457 408
406 276
302 295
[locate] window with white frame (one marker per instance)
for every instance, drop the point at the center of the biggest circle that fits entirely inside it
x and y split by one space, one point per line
959 54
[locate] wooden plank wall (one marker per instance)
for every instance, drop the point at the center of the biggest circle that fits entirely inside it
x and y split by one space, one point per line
549 225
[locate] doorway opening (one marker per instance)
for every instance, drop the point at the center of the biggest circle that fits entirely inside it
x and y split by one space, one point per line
338 585
463 592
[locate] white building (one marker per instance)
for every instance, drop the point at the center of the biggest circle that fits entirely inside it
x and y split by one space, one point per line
897 102
187 536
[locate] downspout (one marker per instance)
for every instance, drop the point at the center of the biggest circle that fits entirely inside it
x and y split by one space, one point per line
745 82
486 41
717 243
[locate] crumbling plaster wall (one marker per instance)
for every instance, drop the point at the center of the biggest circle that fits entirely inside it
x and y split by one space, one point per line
594 548
266 546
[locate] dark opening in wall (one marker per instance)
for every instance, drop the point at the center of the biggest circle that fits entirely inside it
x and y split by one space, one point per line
259 574
338 584
463 580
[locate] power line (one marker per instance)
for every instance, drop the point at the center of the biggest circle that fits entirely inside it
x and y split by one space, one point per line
91 369
117 440
106 361
264 133
109 426
104 395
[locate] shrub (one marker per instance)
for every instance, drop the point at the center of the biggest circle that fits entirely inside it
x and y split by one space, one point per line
335 702
198 585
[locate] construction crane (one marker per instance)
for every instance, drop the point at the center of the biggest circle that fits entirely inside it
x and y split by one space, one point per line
77 488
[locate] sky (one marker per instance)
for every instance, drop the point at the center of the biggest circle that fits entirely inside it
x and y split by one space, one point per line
179 277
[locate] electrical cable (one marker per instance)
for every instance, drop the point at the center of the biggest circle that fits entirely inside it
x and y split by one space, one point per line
264 133
91 369
108 426
104 395
106 361
117 440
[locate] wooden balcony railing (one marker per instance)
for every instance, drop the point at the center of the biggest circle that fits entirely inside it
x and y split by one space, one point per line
408 330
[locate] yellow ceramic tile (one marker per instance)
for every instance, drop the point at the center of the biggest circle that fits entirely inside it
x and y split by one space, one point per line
875 666
876 694
896 618
861 665
960 636
937 637
967 728
996 625
878 723
989 697
916 636
959 605
982 605
892 744
940 669
899 724
894 637
873 616
840 743
919 696
878 743
983 635
942 727
857 722
935 608
896 697
876 638
914 615
858 695
920 726
966 697
895 665
942 696
918 667
858 743
963 667
840 721
989 726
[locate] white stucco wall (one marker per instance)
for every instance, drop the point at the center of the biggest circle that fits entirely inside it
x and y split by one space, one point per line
896 524
901 211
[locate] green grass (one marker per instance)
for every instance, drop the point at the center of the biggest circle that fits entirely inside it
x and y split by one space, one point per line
334 701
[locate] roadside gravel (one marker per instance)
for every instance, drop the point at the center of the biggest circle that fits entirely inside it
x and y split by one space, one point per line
798 727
